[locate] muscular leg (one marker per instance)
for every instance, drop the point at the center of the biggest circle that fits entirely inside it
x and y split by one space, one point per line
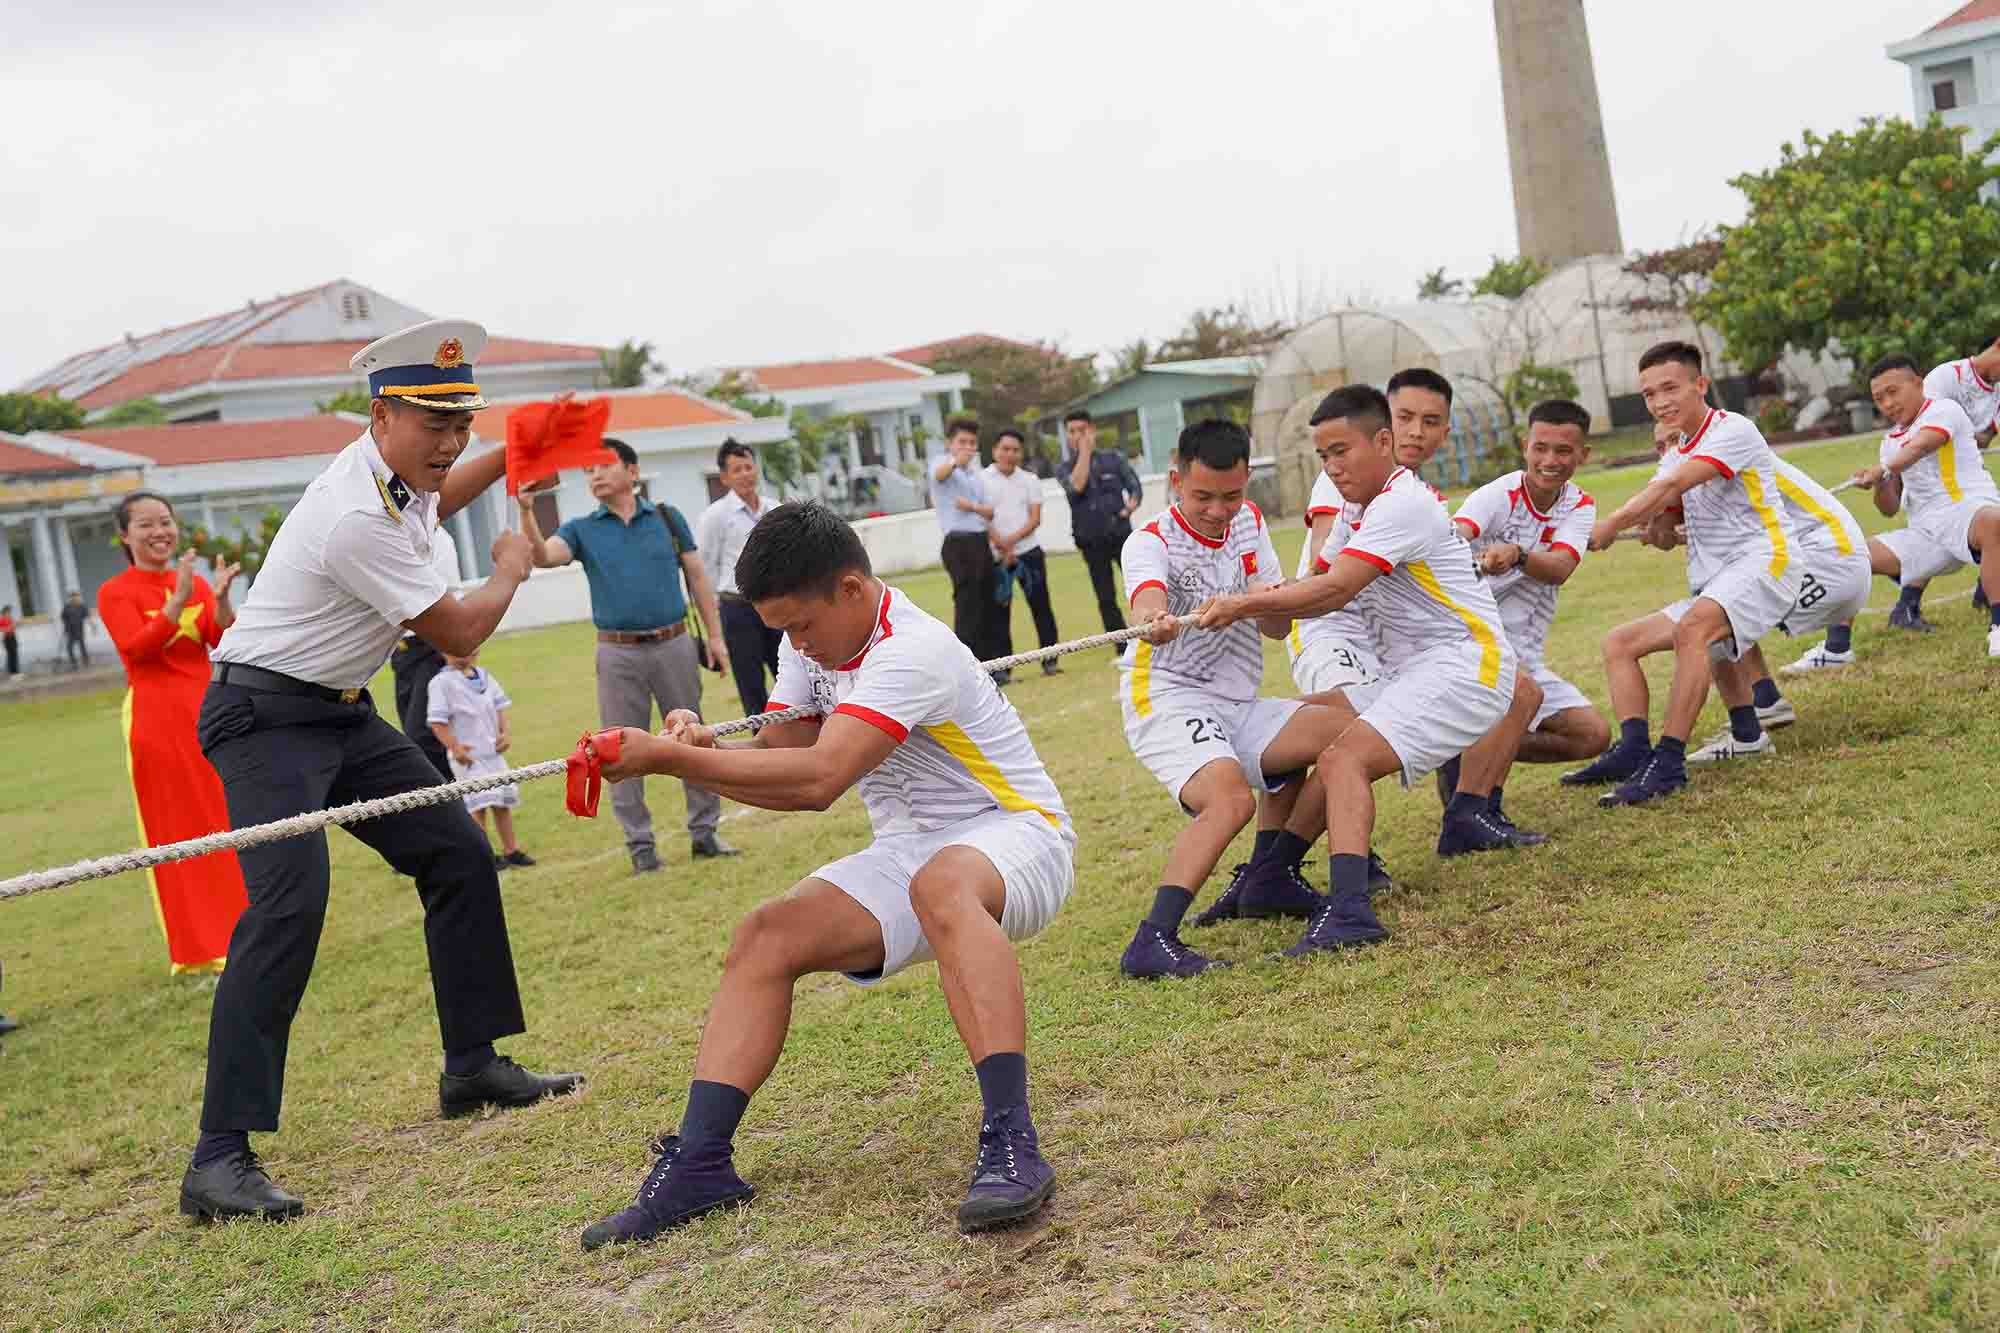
1985 534
1623 649
1574 733
1704 625
1485 765
958 896
1348 769
1222 804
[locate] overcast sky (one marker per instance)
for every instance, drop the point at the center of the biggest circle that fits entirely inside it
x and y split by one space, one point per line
763 181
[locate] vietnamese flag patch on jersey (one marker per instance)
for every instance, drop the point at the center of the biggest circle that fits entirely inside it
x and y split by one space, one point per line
1249 564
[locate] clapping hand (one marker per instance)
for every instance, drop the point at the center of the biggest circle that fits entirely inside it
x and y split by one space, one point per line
225 574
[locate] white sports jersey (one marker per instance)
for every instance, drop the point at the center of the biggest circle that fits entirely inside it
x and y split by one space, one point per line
1948 474
961 749
1738 516
1168 553
1429 595
1958 381
1503 511
1347 627
1824 526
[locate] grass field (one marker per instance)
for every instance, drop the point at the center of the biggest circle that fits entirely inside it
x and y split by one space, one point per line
1726 1063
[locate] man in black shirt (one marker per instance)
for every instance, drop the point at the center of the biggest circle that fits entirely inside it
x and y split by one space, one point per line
1103 491
74 616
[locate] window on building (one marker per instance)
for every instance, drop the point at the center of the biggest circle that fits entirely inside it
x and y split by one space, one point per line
1944 96
354 305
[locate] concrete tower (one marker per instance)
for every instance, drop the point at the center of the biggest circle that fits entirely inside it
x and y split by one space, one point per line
1563 205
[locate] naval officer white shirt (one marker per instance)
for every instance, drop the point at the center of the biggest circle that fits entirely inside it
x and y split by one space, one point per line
344 572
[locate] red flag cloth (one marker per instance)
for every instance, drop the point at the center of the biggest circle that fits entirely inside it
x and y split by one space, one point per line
582 771
177 793
544 438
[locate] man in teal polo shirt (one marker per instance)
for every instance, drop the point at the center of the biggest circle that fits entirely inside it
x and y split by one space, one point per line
633 554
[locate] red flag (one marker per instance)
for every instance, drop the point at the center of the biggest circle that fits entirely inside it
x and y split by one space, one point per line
544 438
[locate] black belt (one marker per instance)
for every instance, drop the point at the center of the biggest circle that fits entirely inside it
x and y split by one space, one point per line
736 597
272 682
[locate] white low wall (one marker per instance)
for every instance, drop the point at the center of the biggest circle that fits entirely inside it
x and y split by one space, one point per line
897 544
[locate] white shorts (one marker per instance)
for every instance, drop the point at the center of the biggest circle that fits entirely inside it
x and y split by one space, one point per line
1951 527
1434 707
1920 558
1558 696
1754 602
1332 663
1186 731
1831 592
1036 861
493 798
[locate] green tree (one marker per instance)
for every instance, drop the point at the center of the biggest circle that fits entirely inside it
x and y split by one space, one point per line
1132 358
1435 286
627 365
23 412
1873 241
238 548
135 412
1510 278
1015 380
1529 383
347 400
1222 331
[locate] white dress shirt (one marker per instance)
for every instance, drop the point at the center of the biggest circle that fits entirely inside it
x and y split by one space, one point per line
1011 496
720 532
350 563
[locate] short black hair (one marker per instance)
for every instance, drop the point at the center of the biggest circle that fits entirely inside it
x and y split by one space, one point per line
1560 412
1078 414
1219 443
1008 432
1894 361
1420 377
626 454
732 448
799 547
1676 350
961 426
1363 404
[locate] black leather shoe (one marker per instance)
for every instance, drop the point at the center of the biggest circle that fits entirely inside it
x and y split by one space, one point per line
710 845
236 1186
645 860
501 1083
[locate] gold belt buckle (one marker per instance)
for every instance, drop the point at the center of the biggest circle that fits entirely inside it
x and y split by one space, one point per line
350 696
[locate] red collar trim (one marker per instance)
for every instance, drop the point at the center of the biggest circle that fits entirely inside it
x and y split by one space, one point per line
1913 420
882 631
1528 500
1400 470
1212 543
1706 422
1977 378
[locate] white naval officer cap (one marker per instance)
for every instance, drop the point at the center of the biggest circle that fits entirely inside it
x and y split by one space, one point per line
428 364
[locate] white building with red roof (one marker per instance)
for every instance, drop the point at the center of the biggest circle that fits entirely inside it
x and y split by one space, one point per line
1955 69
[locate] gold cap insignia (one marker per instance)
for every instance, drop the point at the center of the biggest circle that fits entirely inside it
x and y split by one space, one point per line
450 354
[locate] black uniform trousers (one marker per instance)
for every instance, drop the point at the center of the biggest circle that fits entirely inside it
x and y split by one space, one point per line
753 649
284 754
975 616
413 664
1099 557
1031 578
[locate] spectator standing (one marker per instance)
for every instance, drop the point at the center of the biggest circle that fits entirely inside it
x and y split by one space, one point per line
12 643
1103 491
466 707
416 663
634 555
720 533
75 615
958 493
1015 536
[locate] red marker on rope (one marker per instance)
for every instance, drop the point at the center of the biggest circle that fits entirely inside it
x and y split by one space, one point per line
584 773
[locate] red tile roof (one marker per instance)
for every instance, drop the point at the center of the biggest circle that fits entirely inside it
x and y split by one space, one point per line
926 354
275 361
827 374
1976 12
661 410
227 441
16 459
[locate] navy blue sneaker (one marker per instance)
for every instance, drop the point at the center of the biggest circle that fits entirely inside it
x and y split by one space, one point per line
1224 908
1620 763
1516 835
1341 924
1910 618
1652 782
676 1191
1478 831
1010 1178
1378 875
1155 953
1274 890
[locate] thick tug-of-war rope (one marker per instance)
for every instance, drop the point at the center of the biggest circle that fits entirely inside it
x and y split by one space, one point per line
581 768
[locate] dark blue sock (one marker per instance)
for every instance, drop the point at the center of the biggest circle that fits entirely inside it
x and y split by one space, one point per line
1288 849
714 1110
1464 803
214 1147
1764 693
1994 612
1170 904
1493 801
1743 723
1347 877
1910 598
1003 1081
1840 639
1450 771
469 1061
1262 847
1672 753
1634 733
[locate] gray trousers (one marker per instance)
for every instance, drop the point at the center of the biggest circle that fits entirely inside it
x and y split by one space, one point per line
630 676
